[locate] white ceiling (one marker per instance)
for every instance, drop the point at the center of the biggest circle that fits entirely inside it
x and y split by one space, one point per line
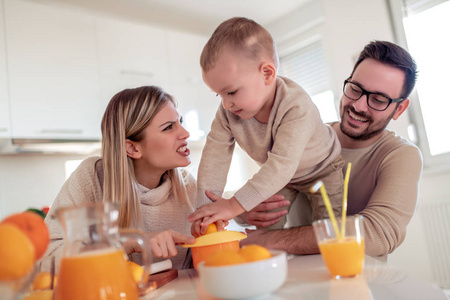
201 16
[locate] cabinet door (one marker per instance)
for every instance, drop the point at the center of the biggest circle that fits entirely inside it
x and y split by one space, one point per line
4 101
53 72
130 55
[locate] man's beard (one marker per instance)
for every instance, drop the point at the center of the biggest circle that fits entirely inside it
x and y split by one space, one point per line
371 131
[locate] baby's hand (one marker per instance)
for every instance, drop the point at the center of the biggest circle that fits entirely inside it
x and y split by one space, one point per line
198 230
220 209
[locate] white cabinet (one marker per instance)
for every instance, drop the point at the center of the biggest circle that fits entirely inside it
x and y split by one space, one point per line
53 71
130 55
4 101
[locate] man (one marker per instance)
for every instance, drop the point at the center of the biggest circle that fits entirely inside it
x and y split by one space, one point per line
386 168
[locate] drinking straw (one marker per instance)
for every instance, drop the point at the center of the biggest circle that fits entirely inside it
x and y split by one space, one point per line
323 192
344 201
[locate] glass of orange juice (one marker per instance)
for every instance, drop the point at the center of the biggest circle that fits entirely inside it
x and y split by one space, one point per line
344 257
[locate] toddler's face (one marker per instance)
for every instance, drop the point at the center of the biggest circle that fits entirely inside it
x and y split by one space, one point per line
240 83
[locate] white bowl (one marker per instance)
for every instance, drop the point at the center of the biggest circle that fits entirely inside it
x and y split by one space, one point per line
245 280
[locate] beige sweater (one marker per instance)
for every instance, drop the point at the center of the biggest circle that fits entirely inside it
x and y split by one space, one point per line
160 210
293 146
383 188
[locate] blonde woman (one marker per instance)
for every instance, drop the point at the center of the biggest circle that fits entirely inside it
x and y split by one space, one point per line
143 144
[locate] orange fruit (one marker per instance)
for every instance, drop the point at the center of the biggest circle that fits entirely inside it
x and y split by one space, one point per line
136 271
211 228
224 257
40 295
43 281
254 253
16 252
34 227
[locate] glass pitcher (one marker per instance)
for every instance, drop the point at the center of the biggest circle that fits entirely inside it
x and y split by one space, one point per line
93 264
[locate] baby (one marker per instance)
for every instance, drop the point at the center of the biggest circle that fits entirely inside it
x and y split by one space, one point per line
272 119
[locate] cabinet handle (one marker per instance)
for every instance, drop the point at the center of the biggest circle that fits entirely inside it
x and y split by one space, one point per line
137 73
64 131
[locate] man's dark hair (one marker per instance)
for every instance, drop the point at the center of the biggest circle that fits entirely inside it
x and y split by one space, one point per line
393 55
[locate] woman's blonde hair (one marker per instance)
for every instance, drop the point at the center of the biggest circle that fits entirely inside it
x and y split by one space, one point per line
127 115
241 34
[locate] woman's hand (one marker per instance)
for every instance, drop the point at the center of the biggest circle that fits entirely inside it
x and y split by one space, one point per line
163 243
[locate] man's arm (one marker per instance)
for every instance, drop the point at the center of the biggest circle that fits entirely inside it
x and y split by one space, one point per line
393 201
297 240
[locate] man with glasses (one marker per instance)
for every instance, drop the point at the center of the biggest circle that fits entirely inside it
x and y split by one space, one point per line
386 168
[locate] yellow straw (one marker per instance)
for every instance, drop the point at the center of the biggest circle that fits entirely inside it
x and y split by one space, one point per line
344 202
323 192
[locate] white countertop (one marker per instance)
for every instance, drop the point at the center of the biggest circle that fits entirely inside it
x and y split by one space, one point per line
308 278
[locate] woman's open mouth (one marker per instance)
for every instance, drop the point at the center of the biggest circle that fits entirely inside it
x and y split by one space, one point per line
184 150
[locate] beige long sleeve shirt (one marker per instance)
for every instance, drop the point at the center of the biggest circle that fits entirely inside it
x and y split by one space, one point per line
383 188
293 146
160 210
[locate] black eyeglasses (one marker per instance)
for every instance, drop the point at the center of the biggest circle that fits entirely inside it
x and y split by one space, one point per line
374 100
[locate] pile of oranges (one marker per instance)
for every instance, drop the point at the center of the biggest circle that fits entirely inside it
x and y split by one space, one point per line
24 238
245 254
226 256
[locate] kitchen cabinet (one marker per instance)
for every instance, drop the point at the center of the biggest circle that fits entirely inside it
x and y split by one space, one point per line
5 130
130 55
52 71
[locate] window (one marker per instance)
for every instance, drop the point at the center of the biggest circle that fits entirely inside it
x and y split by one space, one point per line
423 28
306 66
70 166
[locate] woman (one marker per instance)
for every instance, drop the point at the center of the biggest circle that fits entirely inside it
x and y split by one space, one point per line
143 144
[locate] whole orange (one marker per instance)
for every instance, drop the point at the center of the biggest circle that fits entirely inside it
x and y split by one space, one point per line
40 295
43 281
224 257
34 227
136 270
16 252
254 253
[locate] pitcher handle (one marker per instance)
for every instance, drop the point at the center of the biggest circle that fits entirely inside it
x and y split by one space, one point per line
145 286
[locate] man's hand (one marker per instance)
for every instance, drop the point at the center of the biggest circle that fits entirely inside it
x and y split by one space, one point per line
220 209
261 216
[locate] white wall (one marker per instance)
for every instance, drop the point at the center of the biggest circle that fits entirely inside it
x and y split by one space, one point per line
30 180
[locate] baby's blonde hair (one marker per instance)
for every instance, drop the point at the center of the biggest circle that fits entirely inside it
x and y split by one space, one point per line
240 34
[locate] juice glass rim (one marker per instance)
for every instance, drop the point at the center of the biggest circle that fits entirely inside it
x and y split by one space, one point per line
352 217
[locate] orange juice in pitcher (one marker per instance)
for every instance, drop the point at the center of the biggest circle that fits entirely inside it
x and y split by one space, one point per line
108 277
93 264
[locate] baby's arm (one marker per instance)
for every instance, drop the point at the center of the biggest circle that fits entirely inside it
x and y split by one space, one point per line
220 209
216 159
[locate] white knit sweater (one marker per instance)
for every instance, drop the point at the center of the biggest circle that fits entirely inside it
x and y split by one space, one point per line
160 210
